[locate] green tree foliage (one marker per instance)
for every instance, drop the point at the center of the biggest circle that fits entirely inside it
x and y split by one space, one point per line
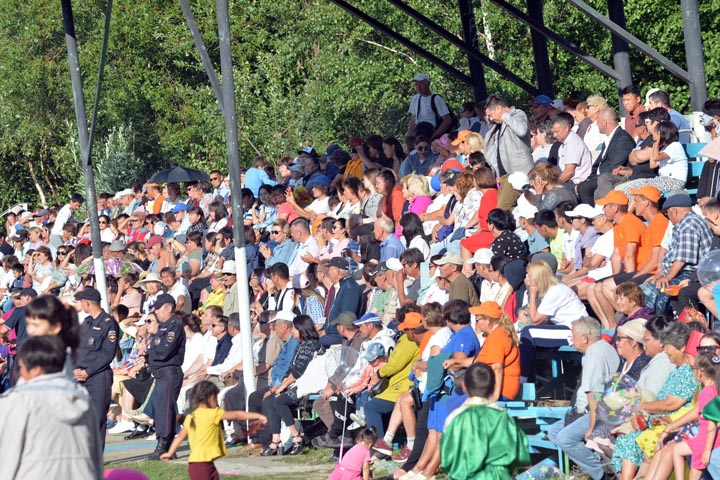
305 72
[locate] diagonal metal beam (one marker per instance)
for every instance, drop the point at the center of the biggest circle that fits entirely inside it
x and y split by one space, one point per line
549 34
613 27
381 27
453 39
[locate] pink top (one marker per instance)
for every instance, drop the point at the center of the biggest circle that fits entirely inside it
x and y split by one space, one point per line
364 380
350 467
697 443
417 206
285 207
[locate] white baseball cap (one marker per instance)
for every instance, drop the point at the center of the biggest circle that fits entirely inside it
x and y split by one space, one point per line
421 77
394 264
482 256
526 210
585 211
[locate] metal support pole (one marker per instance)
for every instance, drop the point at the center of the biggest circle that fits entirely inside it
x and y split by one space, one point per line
453 39
231 141
85 135
600 19
543 72
470 37
620 48
694 53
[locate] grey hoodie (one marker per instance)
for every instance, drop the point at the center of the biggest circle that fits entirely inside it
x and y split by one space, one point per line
48 431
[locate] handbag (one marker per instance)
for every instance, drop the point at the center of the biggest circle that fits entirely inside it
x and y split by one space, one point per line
379 387
416 397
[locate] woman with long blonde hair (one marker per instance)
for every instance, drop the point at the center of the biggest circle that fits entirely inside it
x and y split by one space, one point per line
552 308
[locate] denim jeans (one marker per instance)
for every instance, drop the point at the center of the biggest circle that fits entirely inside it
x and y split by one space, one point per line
571 440
374 411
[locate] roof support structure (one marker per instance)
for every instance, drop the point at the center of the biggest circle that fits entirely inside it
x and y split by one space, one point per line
470 36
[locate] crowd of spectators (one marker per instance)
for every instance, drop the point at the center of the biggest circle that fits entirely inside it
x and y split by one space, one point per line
484 240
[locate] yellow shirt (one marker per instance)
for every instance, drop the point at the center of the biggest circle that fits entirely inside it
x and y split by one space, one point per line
354 168
216 297
205 434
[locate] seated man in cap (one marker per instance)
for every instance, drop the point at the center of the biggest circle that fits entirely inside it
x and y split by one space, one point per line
460 287
344 295
691 240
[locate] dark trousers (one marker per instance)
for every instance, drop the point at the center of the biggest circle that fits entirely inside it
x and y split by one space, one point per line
342 408
586 190
281 409
99 388
540 336
235 400
257 404
195 288
167 390
421 434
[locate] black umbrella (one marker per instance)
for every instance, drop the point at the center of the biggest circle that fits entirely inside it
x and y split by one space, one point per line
179 175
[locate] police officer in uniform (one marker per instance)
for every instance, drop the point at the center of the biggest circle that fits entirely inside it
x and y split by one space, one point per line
165 355
99 337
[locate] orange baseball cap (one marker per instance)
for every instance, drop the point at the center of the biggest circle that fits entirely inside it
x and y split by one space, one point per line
487 309
412 320
462 135
615 196
648 191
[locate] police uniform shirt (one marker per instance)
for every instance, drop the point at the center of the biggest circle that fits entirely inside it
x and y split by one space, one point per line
99 343
167 346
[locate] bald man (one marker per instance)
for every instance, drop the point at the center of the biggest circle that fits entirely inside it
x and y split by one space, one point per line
615 152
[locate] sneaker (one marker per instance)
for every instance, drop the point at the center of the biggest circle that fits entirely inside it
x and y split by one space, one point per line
382 447
122 427
402 455
323 441
359 419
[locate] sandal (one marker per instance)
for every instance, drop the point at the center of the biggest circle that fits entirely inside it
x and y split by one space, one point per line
275 448
297 445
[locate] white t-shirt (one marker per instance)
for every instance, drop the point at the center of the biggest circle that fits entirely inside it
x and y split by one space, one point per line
62 218
677 165
179 290
569 241
193 348
605 246
575 152
299 265
667 238
562 305
422 245
209 346
320 206
439 202
426 112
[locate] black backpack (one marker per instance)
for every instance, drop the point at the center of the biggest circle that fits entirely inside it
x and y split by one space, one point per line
454 123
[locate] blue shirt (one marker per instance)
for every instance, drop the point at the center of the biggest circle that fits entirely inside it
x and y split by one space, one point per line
391 248
465 341
282 253
256 178
283 362
679 120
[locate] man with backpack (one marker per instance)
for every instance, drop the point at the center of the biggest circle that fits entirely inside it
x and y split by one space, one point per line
429 114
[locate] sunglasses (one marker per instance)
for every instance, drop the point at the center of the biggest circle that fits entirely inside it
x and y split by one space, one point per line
422 148
275 232
618 338
61 252
707 349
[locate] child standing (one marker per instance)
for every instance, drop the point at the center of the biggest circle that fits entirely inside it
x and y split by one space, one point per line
701 445
203 428
480 439
355 464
